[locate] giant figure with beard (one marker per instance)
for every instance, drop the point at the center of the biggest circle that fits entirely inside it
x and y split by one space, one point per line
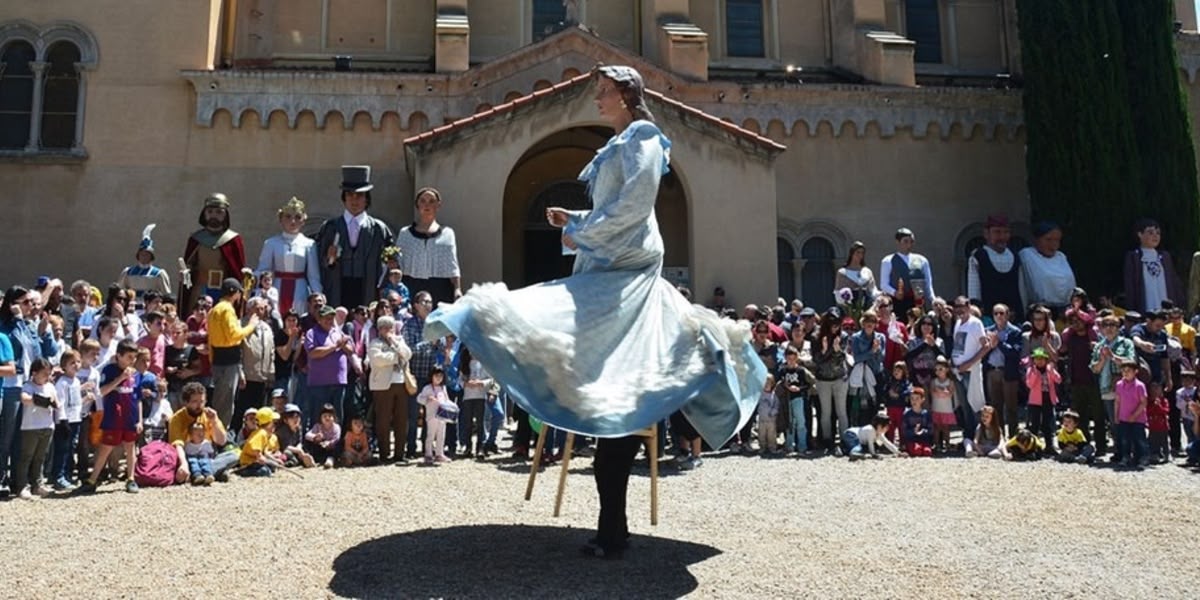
213 253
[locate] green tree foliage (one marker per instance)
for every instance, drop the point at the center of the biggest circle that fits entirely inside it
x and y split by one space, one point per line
1107 129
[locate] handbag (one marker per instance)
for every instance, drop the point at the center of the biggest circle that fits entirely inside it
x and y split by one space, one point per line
410 381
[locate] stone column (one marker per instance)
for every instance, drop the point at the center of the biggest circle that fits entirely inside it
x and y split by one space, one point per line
35 116
81 102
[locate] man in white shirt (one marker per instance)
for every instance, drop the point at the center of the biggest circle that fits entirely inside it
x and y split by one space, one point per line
994 271
971 345
905 275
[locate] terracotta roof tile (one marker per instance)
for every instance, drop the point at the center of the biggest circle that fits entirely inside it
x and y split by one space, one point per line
500 109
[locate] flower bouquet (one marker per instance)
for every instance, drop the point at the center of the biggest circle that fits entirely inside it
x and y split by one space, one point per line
852 302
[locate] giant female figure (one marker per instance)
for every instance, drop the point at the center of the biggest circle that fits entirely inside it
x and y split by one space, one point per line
614 348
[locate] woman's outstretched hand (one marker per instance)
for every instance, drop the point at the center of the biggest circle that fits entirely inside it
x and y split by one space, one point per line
557 216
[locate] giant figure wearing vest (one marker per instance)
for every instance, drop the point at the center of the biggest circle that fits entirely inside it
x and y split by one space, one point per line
905 275
994 270
350 244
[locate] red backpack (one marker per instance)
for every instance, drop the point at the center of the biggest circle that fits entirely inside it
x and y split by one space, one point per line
156 465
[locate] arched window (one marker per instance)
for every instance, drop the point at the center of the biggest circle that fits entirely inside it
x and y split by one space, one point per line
60 97
43 88
16 94
785 257
816 279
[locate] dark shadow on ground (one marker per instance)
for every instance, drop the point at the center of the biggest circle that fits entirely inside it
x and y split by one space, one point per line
640 468
513 561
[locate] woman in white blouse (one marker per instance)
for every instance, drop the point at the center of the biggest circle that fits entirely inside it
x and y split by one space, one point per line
1048 277
857 276
429 252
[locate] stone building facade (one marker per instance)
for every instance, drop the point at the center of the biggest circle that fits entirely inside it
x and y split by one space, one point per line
799 125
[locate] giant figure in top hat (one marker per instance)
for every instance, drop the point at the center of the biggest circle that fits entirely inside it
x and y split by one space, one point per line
349 245
145 276
213 253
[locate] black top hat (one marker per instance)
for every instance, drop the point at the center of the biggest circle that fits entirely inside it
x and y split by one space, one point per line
356 178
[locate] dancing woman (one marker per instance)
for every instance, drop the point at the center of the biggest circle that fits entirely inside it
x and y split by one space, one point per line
614 348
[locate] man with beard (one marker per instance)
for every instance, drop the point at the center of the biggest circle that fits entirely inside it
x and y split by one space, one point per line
178 428
994 271
213 253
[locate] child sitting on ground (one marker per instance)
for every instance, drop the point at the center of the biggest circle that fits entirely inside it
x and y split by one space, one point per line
249 426
917 426
768 412
1025 446
199 452
1072 444
323 440
1158 412
859 442
291 439
989 439
356 451
258 453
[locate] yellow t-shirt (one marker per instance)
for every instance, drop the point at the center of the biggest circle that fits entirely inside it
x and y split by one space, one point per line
181 423
1075 438
260 441
1185 333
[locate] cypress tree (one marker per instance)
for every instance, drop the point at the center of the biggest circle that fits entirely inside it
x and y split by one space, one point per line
1103 109
1158 105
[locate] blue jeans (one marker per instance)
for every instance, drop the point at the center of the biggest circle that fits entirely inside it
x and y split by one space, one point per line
10 418
966 415
317 396
255 470
1131 443
66 439
200 466
796 436
493 417
851 444
1193 451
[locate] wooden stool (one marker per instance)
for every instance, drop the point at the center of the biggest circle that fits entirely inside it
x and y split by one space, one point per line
651 435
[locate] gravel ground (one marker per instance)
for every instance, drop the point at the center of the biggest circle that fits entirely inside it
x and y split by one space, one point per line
736 527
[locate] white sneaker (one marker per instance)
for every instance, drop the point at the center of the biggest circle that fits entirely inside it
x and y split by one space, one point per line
26 494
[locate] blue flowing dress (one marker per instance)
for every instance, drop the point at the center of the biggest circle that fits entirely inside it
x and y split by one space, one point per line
614 348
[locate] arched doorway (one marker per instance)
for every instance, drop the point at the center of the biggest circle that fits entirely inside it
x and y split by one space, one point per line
546 175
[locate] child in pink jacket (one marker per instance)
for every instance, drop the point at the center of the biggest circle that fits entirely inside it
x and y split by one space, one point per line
1042 379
